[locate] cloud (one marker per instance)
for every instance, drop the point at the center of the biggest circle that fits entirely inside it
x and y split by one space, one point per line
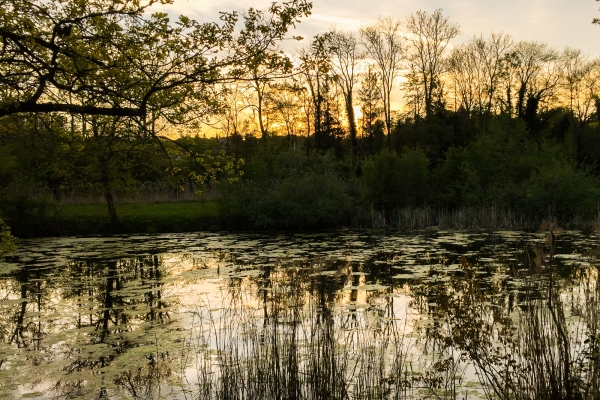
559 23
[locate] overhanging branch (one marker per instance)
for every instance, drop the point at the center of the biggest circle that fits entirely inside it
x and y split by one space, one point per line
71 108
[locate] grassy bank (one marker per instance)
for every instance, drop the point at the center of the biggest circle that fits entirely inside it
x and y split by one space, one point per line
90 219
190 216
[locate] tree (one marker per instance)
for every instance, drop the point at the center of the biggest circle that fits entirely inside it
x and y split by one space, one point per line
476 69
383 44
316 71
232 119
491 53
262 73
7 241
110 58
463 65
370 100
346 55
530 65
428 36
580 83
286 99
264 67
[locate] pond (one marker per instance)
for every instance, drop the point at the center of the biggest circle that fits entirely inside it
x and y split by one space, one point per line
347 315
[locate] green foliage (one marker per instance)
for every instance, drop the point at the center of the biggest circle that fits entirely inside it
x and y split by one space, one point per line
217 167
114 57
284 182
7 241
395 181
26 212
589 145
289 190
560 191
134 217
505 166
488 170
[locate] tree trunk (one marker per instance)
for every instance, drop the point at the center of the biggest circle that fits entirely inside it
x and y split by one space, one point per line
351 122
105 178
259 94
108 196
521 101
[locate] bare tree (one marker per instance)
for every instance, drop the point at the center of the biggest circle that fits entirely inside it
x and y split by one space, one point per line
260 78
579 83
525 66
346 55
465 71
263 68
233 118
287 103
384 45
428 37
369 96
491 53
316 71
476 68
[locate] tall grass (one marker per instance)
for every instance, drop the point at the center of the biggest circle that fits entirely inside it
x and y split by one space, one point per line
288 332
544 348
461 218
547 355
296 347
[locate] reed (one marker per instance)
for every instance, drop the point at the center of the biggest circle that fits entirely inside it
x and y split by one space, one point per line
295 346
462 218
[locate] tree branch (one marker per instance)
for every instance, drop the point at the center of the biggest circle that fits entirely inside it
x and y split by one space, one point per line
71 108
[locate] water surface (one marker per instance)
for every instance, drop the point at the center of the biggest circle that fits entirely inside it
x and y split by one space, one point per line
346 315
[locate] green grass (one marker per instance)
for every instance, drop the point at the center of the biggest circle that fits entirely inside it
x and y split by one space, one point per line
136 217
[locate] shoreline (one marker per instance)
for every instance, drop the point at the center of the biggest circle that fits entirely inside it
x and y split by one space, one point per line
205 216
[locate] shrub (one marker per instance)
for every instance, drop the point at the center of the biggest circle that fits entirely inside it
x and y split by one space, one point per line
394 181
289 190
560 191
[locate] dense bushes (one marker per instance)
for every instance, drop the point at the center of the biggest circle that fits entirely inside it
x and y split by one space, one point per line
394 180
502 167
506 167
288 190
559 191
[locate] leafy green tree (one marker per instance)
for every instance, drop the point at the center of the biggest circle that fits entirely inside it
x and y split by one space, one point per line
7 241
110 58
287 189
558 189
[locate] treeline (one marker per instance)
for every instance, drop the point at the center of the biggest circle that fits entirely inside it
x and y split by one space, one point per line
446 161
312 141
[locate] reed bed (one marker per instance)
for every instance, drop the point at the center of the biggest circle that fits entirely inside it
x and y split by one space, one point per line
297 346
462 218
289 332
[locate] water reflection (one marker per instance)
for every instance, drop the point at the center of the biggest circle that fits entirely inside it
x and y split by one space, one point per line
338 316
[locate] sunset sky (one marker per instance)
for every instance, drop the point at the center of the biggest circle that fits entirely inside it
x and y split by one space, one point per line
559 23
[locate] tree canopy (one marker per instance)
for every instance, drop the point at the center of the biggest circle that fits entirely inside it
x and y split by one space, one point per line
114 58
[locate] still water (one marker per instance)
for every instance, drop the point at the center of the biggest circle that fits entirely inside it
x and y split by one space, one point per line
431 314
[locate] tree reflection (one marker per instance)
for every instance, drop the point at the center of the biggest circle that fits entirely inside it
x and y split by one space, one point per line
117 308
